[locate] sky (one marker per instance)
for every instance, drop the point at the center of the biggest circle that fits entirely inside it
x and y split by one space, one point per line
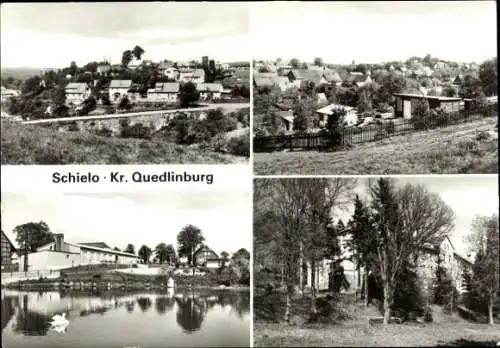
137 218
373 31
51 35
467 196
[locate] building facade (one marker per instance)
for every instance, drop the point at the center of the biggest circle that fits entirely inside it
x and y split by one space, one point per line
118 89
60 254
76 93
405 104
8 254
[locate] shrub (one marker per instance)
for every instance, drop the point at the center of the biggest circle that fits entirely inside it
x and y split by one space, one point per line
428 318
240 146
390 127
104 132
125 103
73 127
381 134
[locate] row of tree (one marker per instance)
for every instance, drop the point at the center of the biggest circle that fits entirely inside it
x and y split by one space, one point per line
293 224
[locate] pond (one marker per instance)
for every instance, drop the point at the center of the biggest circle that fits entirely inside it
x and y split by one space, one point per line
126 319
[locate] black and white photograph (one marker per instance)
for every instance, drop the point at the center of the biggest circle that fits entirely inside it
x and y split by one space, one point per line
374 87
376 261
126 269
125 83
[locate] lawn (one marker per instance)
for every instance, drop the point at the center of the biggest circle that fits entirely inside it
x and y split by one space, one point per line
359 335
32 144
347 326
451 150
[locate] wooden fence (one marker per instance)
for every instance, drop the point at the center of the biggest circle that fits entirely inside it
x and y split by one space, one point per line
374 132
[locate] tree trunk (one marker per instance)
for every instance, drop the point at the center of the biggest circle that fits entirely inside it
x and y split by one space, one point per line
387 302
366 286
313 287
288 303
301 269
490 311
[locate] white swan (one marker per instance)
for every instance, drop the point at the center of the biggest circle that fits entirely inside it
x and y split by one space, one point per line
59 320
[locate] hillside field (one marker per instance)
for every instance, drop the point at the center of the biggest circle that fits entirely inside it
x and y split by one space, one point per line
32 144
465 148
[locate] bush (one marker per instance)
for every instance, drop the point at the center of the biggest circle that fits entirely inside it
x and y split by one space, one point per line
428 318
240 146
104 132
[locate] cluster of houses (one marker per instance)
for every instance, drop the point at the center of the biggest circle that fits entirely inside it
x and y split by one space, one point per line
60 254
163 92
277 74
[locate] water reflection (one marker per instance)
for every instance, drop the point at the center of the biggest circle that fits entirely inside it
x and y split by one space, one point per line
30 313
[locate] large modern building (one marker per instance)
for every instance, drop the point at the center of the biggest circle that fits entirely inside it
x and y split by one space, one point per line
9 254
60 254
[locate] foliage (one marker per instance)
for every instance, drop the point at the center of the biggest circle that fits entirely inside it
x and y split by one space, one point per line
485 279
144 253
125 103
489 76
408 298
130 249
188 94
188 239
240 146
32 235
400 229
445 293
420 113
165 253
126 58
138 131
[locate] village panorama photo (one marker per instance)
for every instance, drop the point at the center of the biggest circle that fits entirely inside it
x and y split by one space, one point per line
125 83
374 87
136 270
376 261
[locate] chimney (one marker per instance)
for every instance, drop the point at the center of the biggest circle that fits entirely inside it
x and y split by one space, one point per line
59 238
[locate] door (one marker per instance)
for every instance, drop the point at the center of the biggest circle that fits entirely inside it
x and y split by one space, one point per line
407 109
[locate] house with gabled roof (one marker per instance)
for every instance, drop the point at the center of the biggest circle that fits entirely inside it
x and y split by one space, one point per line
357 79
9 254
210 91
76 92
206 257
164 92
298 76
118 89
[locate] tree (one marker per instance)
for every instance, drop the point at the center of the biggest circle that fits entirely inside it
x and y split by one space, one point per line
445 293
303 111
295 63
188 240
170 254
404 221
225 257
161 252
363 241
130 249
73 69
318 61
485 279
145 253
124 103
116 249
30 236
137 52
188 94
420 114
126 58
489 76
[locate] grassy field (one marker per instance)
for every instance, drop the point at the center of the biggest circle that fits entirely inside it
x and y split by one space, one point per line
348 327
450 150
31 144
359 335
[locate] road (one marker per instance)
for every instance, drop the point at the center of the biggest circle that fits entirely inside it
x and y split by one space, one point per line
228 107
